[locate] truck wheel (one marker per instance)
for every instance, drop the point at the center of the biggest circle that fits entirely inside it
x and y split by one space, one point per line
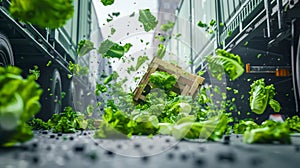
52 98
298 68
6 54
69 89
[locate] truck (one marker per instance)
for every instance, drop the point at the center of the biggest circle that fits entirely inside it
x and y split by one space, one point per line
53 50
265 33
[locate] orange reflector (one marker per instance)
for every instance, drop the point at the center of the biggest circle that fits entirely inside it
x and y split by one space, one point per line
248 68
282 72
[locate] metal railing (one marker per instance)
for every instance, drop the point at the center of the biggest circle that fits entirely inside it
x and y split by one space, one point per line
240 15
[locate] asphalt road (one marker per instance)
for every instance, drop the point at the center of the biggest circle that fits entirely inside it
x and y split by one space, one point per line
80 150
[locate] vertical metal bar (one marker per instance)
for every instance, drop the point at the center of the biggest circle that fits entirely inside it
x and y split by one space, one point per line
293 63
234 7
280 14
268 15
218 20
228 10
191 36
78 21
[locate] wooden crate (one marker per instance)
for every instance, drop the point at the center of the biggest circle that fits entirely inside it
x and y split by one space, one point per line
187 84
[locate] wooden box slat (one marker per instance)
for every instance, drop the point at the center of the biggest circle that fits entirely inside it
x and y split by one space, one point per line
187 84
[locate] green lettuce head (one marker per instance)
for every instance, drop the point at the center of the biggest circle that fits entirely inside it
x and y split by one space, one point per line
226 62
44 13
261 95
19 102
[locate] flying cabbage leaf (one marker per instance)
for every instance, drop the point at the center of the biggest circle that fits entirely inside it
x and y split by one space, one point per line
107 2
147 19
113 50
275 105
112 76
161 51
44 13
167 27
226 62
140 61
85 46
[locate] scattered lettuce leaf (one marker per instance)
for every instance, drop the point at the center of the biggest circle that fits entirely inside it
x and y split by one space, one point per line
105 46
127 47
49 63
132 15
161 51
113 50
112 31
140 61
242 126
211 129
76 69
225 62
100 89
201 24
116 14
85 46
147 19
107 2
210 28
118 124
44 13
111 77
38 124
269 134
130 69
293 124
168 26
67 121
275 105
35 72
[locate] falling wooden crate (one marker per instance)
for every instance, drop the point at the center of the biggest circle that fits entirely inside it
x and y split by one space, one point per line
187 84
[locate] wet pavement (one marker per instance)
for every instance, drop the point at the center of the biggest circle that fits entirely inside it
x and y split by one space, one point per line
82 150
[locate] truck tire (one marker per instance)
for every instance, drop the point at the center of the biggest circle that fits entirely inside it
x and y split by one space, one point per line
298 69
6 53
69 89
52 98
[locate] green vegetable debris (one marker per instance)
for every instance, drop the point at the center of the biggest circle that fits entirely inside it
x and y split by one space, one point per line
164 112
113 50
168 26
147 19
19 102
261 95
226 62
163 80
84 46
44 13
161 51
67 121
141 60
107 2
269 132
